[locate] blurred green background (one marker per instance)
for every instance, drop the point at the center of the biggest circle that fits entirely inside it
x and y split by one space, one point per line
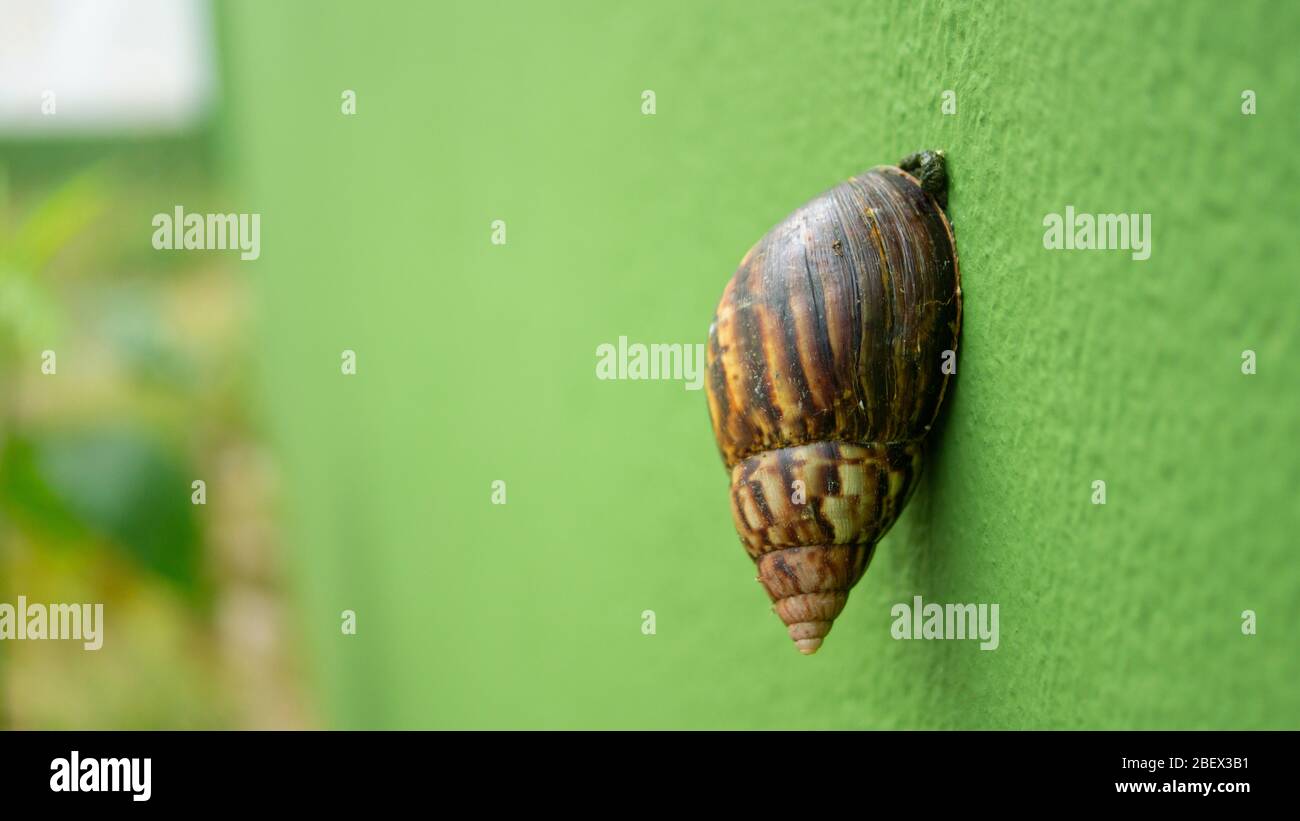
475 363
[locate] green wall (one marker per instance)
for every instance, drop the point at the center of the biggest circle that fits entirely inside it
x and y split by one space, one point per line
476 362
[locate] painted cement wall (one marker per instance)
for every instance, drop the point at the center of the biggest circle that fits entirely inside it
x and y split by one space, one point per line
476 361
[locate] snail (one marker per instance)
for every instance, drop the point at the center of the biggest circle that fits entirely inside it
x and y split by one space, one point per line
825 371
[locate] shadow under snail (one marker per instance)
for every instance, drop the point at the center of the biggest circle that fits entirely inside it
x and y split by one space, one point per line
825 372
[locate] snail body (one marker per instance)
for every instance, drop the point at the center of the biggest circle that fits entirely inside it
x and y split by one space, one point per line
824 375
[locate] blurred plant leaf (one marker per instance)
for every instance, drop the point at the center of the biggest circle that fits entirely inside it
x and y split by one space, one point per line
30 311
29 315
117 483
54 221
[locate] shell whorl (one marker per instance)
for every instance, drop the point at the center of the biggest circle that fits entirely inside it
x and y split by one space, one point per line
810 516
823 378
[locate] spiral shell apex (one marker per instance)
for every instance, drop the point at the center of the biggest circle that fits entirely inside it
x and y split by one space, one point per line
828 359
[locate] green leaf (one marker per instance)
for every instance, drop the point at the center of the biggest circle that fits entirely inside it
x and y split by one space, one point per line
59 217
118 483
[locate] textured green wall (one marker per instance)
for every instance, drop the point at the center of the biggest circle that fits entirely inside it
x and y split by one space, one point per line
476 362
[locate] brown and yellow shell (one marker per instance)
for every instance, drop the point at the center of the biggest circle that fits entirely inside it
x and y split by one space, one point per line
824 376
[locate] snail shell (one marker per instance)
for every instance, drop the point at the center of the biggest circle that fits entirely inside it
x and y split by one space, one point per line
824 368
